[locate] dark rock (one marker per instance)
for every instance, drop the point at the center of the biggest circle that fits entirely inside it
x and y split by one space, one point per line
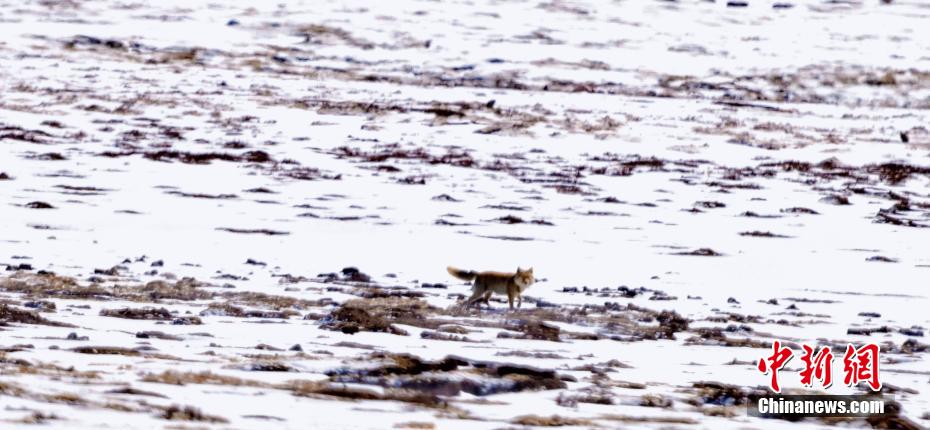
911 346
146 313
700 252
629 292
532 329
835 200
717 393
436 335
445 198
913 331
671 322
709 204
39 205
868 331
41 305
271 366
187 320
113 271
800 210
156 335
74 336
354 275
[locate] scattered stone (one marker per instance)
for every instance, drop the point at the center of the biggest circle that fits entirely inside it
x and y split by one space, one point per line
913 331
270 366
655 401
868 331
352 274
39 205
41 305
709 204
911 346
700 252
671 322
74 336
105 350
531 329
435 335
186 320
189 413
757 233
263 231
834 199
146 313
445 198
157 335
799 210
551 421
718 393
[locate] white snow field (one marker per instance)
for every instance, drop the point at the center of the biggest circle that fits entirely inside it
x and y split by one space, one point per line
239 214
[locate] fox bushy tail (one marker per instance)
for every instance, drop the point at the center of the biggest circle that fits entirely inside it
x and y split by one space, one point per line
465 275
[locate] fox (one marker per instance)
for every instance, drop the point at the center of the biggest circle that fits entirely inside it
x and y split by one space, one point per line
487 283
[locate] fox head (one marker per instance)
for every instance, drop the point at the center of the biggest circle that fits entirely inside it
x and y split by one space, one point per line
524 278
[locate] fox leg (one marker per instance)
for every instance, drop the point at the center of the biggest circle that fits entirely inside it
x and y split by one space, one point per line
510 295
519 300
475 298
487 299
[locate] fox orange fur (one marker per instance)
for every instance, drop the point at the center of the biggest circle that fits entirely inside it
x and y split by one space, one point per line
487 283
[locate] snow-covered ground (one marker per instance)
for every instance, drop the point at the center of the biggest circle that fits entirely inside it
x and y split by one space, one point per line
761 171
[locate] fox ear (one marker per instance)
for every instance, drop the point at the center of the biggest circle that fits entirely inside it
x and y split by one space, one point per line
531 270
519 270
